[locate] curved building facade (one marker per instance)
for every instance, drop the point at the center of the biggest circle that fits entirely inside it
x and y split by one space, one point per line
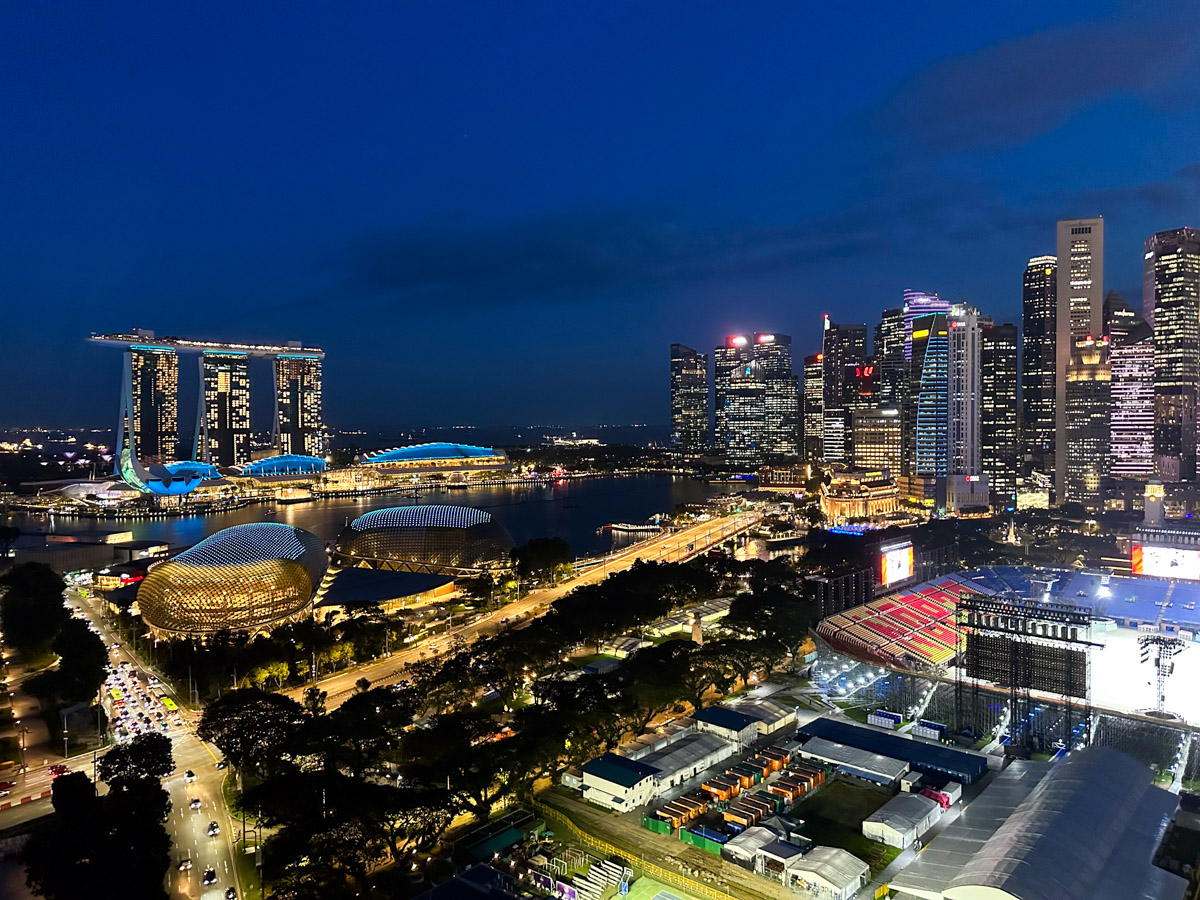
426 538
285 464
435 457
245 578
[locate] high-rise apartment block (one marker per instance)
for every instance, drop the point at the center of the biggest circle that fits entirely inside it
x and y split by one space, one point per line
689 399
1131 411
150 405
298 388
1171 304
1039 311
814 405
999 412
1084 458
223 414
1079 316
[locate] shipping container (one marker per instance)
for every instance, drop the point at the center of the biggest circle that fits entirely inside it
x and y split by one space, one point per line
719 791
778 803
777 754
657 824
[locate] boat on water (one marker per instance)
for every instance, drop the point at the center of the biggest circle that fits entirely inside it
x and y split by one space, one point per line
732 479
270 512
457 487
626 528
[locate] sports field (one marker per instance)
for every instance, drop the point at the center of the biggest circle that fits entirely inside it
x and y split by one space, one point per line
649 889
1121 681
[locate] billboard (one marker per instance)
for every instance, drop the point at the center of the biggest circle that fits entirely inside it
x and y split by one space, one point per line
896 564
1165 562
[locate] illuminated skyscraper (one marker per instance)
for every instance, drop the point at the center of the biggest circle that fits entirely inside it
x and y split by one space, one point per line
1131 354
1039 310
1085 456
1079 296
919 303
889 355
814 405
298 425
876 436
689 399
843 348
1171 304
999 412
775 428
223 413
150 408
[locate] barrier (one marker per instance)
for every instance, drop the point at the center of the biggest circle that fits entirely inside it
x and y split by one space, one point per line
648 868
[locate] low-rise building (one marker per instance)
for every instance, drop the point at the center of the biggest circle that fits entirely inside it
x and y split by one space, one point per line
862 764
902 820
827 873
617 782
736 727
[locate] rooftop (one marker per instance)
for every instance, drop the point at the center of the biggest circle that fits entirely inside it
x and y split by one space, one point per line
919 754
619 770
853 757
723 717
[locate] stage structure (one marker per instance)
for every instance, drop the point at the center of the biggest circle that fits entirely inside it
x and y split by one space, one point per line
1163 647
1028 648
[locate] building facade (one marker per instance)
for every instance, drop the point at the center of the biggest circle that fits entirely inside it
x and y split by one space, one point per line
1131 409
151 414
757 405
926 439
877 437
1085 455
298 413
223 413
1171 305
999 412
1080 315
843 347
1039 314
689 399
889 355
814 405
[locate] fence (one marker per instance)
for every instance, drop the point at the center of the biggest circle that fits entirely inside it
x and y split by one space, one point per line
648 868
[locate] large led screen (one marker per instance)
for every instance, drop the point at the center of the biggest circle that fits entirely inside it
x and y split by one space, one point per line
896 564
1165 562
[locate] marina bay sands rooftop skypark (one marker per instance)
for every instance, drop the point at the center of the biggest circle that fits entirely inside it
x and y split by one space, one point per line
144 338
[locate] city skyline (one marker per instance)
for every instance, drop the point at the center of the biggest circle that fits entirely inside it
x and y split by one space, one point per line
612 187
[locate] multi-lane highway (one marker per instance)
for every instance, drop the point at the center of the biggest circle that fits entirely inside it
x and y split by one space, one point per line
675 546
187 827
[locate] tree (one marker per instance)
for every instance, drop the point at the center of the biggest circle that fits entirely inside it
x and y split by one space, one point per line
8 537
32 610
82 661
254 729
409 819
541 557
73 795
146 756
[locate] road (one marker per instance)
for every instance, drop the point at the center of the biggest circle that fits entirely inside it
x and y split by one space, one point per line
671 547
186 827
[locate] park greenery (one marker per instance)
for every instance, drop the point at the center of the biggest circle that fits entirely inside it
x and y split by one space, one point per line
110 846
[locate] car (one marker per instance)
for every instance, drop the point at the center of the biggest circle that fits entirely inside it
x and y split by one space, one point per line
6 786
195 803
185 864
213 829
221 764
59 769
210 876
230 894
189 776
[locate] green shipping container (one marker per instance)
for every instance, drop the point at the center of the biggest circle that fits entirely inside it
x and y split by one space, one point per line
659 826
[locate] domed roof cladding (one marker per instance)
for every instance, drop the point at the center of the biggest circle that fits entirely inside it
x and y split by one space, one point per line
285 464
187 467
258 542
428 516
439 450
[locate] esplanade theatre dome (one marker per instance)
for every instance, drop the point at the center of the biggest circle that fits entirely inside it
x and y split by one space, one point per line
244 578
425 537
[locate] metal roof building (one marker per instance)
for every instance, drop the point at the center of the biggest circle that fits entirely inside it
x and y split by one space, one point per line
1085 828
829 873
935 759
902 820
853 761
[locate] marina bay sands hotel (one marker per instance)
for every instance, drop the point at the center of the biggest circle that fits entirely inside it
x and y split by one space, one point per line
150 392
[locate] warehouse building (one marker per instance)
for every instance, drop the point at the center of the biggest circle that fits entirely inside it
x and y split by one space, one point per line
771 715
902 820
827 873
1085 828
879 770
934 759
623 784
735 727
686 758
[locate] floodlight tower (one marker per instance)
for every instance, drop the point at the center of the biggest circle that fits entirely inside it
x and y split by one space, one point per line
1162 647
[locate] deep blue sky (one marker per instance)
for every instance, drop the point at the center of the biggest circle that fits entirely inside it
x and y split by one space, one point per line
505 212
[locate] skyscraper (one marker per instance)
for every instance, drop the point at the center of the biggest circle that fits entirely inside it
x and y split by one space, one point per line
843 347
1080 314
1039 310
999 412
151 406
1171 304
889 355
298 425
1086 441
927 456
1131 411
775 427
919 303
876 436
689 399
814 405
223 413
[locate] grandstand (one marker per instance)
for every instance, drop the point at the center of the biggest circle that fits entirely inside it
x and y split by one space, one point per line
912 628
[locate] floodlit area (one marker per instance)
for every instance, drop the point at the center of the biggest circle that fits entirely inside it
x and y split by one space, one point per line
1121 681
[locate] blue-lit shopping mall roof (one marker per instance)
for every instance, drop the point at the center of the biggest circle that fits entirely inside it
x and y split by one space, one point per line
440 450
430 516
285 464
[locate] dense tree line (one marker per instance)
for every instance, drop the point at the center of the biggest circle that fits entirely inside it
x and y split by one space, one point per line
114 846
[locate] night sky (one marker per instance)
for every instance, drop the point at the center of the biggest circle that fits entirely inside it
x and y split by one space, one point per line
505 212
